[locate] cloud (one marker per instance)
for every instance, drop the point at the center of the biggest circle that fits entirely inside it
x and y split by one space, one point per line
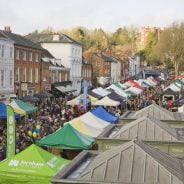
27 15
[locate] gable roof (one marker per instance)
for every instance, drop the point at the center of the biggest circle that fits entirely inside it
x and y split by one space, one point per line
21 41
48 38
156 111
148 128
134 162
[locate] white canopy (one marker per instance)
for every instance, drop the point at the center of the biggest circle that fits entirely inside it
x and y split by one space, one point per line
134 90
100 91
64 89
106 101
123 85
118 91
93 121
74 101
150 79
173 87
85 128
144 80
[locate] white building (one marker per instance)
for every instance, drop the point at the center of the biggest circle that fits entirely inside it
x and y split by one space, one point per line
70 52
6 67
134 65
115 70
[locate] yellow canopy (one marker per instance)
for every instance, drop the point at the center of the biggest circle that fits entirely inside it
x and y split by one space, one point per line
79 125
17 109
93 98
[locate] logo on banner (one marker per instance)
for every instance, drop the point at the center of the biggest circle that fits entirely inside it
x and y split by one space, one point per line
14 163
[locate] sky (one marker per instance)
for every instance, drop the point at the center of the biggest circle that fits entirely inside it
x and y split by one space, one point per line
25 16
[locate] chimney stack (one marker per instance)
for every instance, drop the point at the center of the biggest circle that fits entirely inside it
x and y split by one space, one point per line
7 29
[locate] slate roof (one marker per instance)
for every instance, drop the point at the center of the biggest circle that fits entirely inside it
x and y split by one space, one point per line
134 162
2 35
21 41
47 38
148 128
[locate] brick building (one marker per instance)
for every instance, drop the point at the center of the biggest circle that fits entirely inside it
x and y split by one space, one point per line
87 72
27 58
142 39
101 65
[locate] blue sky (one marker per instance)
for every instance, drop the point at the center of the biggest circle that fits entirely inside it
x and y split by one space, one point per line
25 16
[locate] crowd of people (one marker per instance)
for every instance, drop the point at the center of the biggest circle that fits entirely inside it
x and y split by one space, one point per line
54 112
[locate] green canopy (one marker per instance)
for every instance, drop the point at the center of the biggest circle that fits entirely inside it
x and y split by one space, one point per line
118 85
26 107
131 93
31 166
67 138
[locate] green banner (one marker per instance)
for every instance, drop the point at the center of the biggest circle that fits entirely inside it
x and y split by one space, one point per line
10 149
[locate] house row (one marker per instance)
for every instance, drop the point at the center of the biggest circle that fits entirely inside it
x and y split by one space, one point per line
27 68
107 69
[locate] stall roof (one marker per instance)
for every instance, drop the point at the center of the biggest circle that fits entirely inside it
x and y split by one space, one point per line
93 121
29 98
67 138
129 163
148 128
118 90
26 107
101 112
84 128
100 91
32 165
43 95
156 111
116 97
106 101
94 94
169 91
3 112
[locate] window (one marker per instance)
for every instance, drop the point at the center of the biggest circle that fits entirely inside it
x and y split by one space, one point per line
30 75
2 77
17 74
66 77
36 75
2 50
24 75
24 55
73 51
60 77
36 57
11 52
17 54
11 77
30 56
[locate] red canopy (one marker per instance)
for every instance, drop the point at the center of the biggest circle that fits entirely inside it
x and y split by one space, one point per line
135 84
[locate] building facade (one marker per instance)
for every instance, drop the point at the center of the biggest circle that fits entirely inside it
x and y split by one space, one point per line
70 54
52 71
27 59
87 72
135 65
6 67
115 70
101 65
142 39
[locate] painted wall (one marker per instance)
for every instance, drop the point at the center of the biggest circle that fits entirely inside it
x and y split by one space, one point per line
71 57
6 68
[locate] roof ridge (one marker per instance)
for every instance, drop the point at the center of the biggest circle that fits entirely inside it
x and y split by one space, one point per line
163 158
